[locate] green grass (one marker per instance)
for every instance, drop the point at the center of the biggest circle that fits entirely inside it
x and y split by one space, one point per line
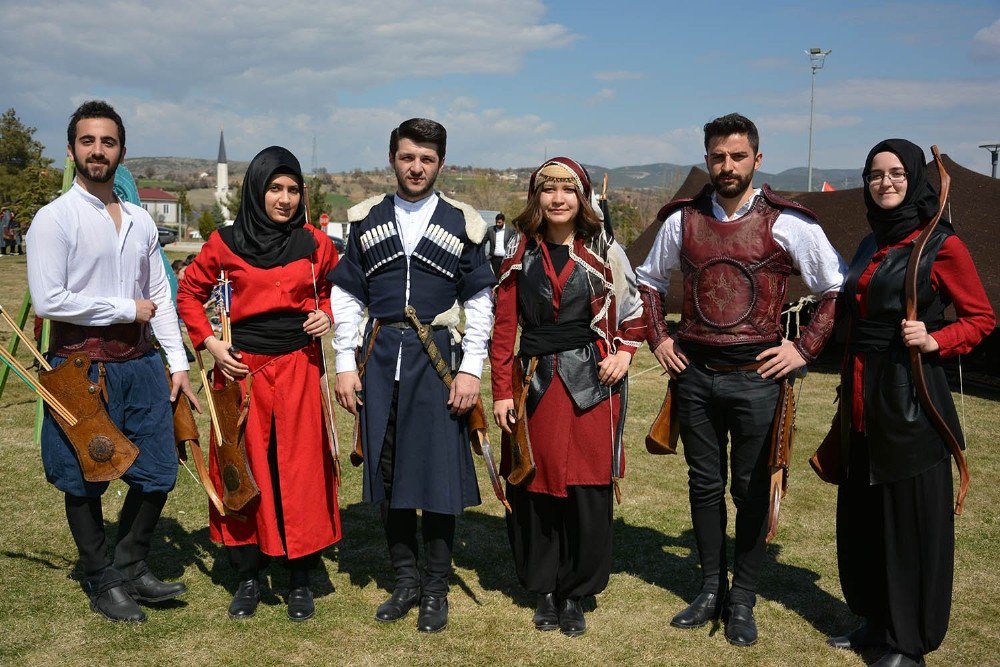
46 620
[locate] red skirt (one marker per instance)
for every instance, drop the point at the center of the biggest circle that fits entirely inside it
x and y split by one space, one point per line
571 446
285 393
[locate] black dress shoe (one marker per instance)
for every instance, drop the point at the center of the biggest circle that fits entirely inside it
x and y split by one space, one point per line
147 587
115 604
706 607
433 616
571 621
893 659
546 617
244 603
300 604
398 605
741 629
855 640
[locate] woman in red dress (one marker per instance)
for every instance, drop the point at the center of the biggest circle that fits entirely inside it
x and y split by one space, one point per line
895 522
277 265
571 289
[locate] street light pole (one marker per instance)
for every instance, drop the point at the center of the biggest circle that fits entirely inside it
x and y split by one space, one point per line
993 149
817 57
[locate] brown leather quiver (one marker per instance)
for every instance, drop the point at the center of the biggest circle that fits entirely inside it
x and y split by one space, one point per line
522 467
476 420
238 484
103 451
827 462
666 428
780 457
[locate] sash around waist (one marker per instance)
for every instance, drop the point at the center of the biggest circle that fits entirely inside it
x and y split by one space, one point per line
553 337
271 333
873 336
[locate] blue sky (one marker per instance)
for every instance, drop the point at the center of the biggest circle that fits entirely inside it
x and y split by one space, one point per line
608 83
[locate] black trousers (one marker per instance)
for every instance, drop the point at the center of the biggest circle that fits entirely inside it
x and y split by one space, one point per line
437 530
561 545
716 409
137 521
248 560
896 552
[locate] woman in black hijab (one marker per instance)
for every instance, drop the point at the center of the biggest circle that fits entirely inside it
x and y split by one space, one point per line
895 526
277 267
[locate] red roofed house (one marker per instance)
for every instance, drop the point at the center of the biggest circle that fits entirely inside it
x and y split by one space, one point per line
162 205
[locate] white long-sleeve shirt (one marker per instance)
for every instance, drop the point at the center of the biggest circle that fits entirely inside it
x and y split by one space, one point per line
821 266
83 271
413 218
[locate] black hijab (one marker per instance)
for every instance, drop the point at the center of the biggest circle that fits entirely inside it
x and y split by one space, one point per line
920 203
253 236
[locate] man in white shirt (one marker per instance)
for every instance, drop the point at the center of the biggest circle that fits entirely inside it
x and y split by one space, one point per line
496 242
418 249
94 269
735 246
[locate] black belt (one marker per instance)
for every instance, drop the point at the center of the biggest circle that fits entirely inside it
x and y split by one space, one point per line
405 324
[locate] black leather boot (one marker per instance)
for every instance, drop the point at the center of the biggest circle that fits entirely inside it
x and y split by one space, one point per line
860 637
571 620
244 604
741 628
433 616
546 615
147 587
706 607
300 597
109 598
398 605
894 659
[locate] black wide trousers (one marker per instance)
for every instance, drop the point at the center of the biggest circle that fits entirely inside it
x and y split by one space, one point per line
896 552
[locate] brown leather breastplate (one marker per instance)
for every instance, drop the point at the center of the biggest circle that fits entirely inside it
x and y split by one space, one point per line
735 276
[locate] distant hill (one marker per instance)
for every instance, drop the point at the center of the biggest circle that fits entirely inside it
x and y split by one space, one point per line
661 175
670 176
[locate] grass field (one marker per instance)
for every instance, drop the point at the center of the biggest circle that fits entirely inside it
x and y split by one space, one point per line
46 621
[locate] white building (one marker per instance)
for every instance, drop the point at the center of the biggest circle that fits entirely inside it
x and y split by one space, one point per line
161 205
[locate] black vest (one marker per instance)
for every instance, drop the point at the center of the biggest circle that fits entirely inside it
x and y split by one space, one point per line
577 367
902 441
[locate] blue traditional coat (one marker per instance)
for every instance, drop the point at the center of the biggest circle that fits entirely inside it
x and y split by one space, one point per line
433 467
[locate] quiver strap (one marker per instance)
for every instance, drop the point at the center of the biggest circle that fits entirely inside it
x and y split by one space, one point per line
238 484
103 451
782 436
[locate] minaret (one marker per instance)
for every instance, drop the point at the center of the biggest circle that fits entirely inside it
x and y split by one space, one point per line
222 178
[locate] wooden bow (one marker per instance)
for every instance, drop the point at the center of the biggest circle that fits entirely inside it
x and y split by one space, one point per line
916 363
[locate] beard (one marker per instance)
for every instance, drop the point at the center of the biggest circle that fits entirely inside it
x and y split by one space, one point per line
732 188
98 172
412 193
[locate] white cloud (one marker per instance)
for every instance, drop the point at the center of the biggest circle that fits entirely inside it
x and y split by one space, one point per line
986 43
601 96
618 75
680 146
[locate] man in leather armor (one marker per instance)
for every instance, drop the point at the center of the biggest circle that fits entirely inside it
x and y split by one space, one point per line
736 246
94 269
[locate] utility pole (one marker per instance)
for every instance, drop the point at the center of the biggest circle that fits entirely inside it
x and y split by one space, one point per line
817 57
993 149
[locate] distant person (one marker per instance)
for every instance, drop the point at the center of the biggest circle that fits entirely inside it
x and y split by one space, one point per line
736 246
103 297
496 241
895 521
572 290
11 232
277 265
415 248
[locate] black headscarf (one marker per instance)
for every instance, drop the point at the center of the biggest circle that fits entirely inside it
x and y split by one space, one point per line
920 203
253 236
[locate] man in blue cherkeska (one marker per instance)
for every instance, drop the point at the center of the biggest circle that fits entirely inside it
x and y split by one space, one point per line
414 248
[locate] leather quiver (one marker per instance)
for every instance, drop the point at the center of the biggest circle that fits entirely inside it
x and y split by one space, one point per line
666 428
238 484
476 421
185 428
780 456
522 467
103 451
827 462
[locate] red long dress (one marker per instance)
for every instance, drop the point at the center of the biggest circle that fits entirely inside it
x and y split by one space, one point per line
285 392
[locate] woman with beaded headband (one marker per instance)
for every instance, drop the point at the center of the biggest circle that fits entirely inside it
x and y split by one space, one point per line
573 293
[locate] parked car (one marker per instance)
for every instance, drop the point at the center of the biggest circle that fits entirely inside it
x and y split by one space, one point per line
339 244
166 235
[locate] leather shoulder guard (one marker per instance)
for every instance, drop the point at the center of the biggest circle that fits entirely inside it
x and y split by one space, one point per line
672 206
360 211
475 226
780 202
